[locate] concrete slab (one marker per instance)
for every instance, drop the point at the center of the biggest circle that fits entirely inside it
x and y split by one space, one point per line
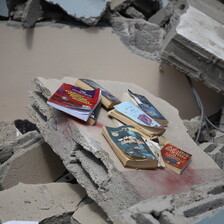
195 46
38 202
43 166
116 187
193 206
87 11
90 213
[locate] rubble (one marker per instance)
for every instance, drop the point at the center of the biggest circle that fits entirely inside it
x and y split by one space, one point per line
40 202
198 36
88 11
87 155
14 167
95 213
117 5
190 207
141 37
32 13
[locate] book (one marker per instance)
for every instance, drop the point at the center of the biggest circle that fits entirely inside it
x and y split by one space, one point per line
148 108
75 101
130 114
130 147
93 117
107 99
175 158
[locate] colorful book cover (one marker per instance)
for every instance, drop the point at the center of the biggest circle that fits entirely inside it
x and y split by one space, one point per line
130 141
75 101
175 157
136 114
105 93
146 106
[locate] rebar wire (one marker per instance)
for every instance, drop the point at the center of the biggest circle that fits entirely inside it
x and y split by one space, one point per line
203 117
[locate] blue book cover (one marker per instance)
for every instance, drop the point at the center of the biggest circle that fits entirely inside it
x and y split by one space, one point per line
130 141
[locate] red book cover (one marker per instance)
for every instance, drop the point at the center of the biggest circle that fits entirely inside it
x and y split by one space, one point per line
75 101
175 158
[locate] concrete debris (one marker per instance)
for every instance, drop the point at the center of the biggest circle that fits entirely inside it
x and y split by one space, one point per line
40 202
8 132
95 213
118 5
88 11
195 46
192 126
162 16
28 147
216 151
88 157
141 37
32 13
17 13
4 11
131 12
190 207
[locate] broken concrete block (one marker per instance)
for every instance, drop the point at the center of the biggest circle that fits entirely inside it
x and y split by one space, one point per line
192 125
39 202
8 132
4 11
189 207
87 11
141 37
195 46
43 166
133 13
95 214
87 155
17 13
117 5
32 13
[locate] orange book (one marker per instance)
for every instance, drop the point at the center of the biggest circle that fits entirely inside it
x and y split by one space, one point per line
175 158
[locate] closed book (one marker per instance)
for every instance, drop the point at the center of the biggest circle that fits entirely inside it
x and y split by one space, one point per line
107 99
175 158
75 101
130 147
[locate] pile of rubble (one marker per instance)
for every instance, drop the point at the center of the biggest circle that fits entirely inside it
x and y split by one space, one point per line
67 168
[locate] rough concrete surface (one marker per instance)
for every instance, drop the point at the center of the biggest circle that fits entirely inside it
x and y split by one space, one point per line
87 11
90 213
141 37
32 13
189 207
87 155
32 161
195 46
40 201
8 132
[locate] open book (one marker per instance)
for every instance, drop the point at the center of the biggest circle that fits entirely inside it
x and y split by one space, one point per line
130 147
75 101
130 114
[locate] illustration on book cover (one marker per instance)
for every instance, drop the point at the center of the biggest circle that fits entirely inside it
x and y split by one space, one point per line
130 141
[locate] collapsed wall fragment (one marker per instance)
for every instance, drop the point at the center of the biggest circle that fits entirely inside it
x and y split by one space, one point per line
87 155
195 46
196 206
